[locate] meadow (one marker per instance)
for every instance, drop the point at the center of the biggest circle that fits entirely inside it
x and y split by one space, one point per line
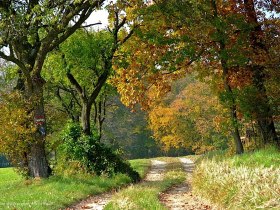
57 192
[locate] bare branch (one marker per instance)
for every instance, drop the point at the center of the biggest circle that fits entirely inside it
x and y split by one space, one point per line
93 24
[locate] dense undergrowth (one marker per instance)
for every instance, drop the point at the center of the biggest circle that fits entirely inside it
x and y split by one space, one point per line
248 181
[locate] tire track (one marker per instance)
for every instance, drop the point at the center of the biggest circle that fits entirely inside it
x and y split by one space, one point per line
180 197
98 202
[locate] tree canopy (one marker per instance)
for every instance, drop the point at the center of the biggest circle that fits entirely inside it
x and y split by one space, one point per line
205 74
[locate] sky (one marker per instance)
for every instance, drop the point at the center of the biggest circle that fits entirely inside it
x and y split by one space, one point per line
98 16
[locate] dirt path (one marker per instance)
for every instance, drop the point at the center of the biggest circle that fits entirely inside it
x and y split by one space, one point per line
98 202
180 197
157 171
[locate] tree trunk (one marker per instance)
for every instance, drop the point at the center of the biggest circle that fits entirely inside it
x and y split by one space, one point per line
233 111
85 118
233 115
234 120
264 115
236 135
38 164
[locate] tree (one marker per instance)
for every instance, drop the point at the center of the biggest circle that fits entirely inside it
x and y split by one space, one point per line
243 52
30 30
173 44
190 117
16 131
257 66
82 69
222 51
217 35
87 58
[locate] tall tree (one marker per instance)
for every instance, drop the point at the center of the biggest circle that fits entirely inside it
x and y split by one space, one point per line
173 43
216 34
30 30
87 58
222 51
259 58
98 48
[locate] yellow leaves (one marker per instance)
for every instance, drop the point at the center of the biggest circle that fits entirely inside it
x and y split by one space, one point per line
16 125
189 120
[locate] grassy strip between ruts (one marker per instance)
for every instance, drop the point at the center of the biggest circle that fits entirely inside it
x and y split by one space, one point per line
145 195
57 192
248 181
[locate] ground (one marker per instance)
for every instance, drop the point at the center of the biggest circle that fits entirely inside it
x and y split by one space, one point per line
178 197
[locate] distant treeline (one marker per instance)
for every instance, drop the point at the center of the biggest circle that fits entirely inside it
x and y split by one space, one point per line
4 162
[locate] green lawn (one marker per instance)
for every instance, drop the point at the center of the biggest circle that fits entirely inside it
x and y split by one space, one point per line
56 192
267 157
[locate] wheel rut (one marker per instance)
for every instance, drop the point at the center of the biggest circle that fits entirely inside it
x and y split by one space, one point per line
181 197
98 202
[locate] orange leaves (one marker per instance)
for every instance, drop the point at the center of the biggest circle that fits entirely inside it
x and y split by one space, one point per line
188 119
166 127
240 77
139 78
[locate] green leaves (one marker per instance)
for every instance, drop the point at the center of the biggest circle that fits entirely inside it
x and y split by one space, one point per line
94 156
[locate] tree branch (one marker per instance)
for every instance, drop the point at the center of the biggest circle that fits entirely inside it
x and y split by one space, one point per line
129 35
14 60
101 81
76 85
93 24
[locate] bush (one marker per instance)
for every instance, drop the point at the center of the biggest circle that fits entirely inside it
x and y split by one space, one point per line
88 154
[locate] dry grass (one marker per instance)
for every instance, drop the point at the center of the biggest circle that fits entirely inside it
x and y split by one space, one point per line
239 186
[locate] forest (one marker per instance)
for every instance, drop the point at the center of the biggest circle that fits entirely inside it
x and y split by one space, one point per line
163 78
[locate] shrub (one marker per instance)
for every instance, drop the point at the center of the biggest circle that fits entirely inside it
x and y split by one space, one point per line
88 154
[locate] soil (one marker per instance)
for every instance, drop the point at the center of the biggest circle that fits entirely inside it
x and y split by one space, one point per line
157 171
96 202
181 197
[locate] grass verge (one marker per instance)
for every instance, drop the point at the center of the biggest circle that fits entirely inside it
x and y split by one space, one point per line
145 195
56 192
248 181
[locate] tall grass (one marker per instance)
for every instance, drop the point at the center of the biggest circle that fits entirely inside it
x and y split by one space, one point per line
249 181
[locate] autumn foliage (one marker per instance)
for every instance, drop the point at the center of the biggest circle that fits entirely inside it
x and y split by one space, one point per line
16 133
232 42
193 118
